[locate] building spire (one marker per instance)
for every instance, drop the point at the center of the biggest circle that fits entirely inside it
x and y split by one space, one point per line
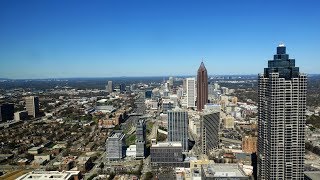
202 66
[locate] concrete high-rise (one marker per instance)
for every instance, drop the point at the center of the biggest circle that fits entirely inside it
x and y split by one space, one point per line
115 146
281 119
191 92
170 82
141 139
122 87
202 87
110 87
178 127
32 105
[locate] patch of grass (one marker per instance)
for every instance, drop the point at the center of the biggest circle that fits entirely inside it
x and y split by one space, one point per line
149 127
130 140
161 137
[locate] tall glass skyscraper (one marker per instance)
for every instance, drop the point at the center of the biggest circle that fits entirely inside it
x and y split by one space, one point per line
202 87
282 118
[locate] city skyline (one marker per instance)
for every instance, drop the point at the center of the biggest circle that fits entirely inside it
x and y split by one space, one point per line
42 39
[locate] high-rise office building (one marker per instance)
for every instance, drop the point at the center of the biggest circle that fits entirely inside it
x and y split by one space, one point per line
148 94
6 112
167 105
216 86
211 89
141 139
178 127
170 82
191 92
209 131
115 146
184 85
32 105
122 87
281 119
202 87
110 87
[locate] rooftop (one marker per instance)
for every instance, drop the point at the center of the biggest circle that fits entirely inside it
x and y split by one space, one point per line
312 174
116 135
223 170
34 148
168 144
46 175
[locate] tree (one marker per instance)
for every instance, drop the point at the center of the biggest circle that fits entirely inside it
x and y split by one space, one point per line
101 166
149 175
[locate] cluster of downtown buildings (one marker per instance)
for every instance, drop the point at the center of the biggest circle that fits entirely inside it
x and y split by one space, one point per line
281 123
279 145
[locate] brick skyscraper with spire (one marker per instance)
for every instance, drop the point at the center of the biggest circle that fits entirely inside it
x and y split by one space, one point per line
202 87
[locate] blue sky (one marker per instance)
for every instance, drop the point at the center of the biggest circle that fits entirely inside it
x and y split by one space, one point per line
65 38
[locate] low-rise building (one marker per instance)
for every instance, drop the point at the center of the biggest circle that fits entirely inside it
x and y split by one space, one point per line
42 157
21 115
105 109
167 154
48 175
67 163
84 164
5 157
35 150
38 162
23 162
228 122
223 171
131 151
249 144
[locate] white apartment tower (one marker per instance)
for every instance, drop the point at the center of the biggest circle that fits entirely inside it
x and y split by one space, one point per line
191 92
281 121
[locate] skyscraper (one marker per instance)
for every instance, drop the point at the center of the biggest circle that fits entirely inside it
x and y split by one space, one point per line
210 121
178 127
170 82
191 92
141 139
32 106
115 146
110 87
122 87
281 119
6 112
202 87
